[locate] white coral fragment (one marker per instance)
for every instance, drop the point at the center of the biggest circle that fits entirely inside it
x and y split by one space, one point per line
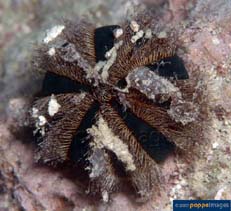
100 70
134 26
105 138
118 32
34 112
51 51
105 196
41 120
137 36
53 33
150 84
53 106
215 145
112 55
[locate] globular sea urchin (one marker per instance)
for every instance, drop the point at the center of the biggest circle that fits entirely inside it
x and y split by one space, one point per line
121 91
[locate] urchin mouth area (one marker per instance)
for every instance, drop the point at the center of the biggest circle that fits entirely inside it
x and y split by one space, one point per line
103 94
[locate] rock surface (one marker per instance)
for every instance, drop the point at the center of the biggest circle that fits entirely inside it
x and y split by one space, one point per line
204 28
